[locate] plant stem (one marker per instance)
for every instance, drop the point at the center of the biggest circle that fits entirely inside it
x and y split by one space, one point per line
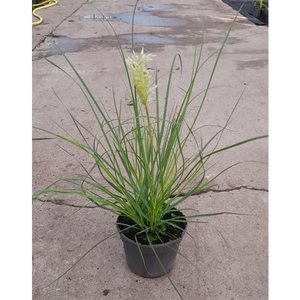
151 169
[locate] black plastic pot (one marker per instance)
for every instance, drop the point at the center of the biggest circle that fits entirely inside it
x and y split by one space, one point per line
255 11
150 261
264 16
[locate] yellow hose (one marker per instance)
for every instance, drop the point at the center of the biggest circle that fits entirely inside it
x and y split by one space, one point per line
39 6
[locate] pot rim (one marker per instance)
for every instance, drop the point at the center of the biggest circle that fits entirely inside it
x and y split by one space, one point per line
160 245
157 245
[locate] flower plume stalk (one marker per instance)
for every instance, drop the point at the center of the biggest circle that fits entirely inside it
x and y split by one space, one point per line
140 76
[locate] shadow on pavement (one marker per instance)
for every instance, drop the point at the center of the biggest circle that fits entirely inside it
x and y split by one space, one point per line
247 11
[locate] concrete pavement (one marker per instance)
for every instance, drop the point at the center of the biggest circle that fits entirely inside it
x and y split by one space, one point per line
62 232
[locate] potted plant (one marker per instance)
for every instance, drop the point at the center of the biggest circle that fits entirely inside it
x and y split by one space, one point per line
139 169
258 7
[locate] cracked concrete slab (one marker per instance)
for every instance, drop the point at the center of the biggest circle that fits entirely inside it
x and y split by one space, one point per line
230 253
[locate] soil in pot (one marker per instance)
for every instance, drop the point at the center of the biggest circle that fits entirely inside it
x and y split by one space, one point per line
153 260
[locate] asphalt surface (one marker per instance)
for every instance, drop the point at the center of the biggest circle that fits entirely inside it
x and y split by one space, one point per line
63 231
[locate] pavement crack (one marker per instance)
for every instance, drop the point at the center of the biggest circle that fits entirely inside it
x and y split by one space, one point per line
53 30
236 189
223 190
64 203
